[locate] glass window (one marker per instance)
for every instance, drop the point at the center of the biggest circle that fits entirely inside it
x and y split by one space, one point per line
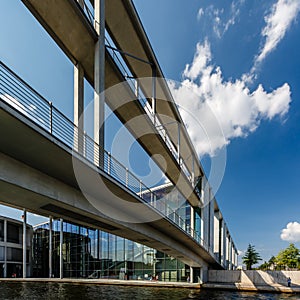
2 253
13 233
14 254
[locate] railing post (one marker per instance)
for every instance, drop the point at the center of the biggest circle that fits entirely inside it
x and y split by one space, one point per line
84 145
126 177
141 188
51 117
108 163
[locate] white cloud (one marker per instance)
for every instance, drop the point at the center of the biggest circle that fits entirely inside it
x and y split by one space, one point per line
221 22
282 14
200 13
237 109
291 233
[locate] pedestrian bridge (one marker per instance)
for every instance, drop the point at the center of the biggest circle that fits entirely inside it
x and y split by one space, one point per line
37 144
40 146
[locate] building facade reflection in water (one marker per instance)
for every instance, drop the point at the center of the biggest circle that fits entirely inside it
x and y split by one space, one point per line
92 253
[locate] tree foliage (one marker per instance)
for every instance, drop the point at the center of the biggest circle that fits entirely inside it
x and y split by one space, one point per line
251 257
288 258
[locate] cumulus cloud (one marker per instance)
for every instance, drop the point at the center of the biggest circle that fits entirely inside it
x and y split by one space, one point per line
291 233
216 111
278 21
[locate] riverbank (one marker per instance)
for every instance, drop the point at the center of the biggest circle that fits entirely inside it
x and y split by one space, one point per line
141 283
270 288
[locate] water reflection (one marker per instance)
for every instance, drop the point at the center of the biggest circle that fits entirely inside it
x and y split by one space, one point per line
32 291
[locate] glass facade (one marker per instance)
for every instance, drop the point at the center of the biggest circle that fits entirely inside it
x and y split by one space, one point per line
11 248
92 253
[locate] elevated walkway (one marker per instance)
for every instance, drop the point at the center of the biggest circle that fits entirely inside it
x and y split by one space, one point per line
37 144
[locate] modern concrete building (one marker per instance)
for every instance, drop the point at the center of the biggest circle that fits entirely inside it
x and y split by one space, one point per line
11 248
50 166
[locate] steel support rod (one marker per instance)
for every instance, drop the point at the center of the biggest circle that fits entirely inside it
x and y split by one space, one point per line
24 242
60 250
99 78
50 246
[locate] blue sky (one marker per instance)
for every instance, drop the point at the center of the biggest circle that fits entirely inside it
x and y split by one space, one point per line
239 56
250 43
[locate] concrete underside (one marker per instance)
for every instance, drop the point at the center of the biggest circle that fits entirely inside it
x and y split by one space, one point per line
66 23
37 174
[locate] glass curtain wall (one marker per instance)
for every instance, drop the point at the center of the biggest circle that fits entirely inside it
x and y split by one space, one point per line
92 253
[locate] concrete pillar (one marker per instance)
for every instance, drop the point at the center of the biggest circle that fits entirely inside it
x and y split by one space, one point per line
78 107
192 229
24 243
5 249
154 94
211 220
227 250
230 253
99 81
206 213
224 245
61 262
191 274
216 235
50 246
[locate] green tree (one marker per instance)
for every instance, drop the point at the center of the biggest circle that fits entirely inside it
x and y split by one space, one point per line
270 264
251 257
288 258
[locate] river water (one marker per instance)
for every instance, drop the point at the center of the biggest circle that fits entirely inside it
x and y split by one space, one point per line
31 291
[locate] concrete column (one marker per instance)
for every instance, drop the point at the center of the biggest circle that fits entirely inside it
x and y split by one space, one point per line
78 107
24 242
50 246
191 274
224 245
230 253
227 250
216 235
220 239
99 81
60 250
206 213
154 94
5 249
211 220
192 221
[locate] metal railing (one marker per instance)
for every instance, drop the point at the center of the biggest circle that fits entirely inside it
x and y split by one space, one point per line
117 57
23 98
